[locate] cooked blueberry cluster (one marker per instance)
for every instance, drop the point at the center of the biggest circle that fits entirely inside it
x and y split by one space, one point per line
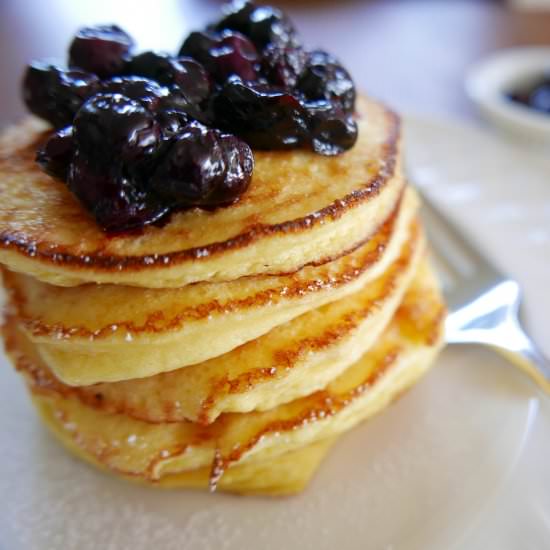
139 135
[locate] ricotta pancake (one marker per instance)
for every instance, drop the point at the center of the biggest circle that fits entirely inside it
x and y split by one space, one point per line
285 475
292 360
214 265
166 453
300 208
108 333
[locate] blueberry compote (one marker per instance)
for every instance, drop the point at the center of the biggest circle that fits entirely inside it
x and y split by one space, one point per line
536 95
138 135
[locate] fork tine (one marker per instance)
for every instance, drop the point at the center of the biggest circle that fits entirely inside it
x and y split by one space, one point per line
483 302
443 232
470 273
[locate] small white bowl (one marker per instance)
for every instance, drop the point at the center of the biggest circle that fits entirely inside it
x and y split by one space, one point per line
488 82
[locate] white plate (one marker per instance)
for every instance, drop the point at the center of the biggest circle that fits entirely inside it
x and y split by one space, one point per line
459 462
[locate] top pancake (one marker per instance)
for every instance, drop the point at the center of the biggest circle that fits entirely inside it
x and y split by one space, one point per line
301 208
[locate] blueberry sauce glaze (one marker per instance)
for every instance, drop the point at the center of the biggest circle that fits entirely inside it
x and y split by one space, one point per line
140 135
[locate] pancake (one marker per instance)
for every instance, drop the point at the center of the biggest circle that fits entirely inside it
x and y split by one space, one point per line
107 333
286 474
300 208
292 360
153 452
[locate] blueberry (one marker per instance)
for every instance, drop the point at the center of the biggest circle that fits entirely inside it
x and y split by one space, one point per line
331 130
283 66
55 94
187 80
148 92
237 15
203 167
55 156
271 26
192 80
114 200
233 54
115 128
172 122
183 75
266 118
325 78
264 25
101 50
157 66
198 45
223 55
239 162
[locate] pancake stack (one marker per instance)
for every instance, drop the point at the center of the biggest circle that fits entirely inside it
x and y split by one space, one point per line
228 348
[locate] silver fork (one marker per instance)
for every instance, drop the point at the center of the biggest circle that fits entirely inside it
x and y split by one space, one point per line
483 303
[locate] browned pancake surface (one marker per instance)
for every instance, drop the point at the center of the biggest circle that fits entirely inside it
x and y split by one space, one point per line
291 193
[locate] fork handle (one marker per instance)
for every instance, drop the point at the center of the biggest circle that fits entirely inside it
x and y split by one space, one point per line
531 360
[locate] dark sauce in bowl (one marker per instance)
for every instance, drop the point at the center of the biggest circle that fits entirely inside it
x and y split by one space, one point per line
534 95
